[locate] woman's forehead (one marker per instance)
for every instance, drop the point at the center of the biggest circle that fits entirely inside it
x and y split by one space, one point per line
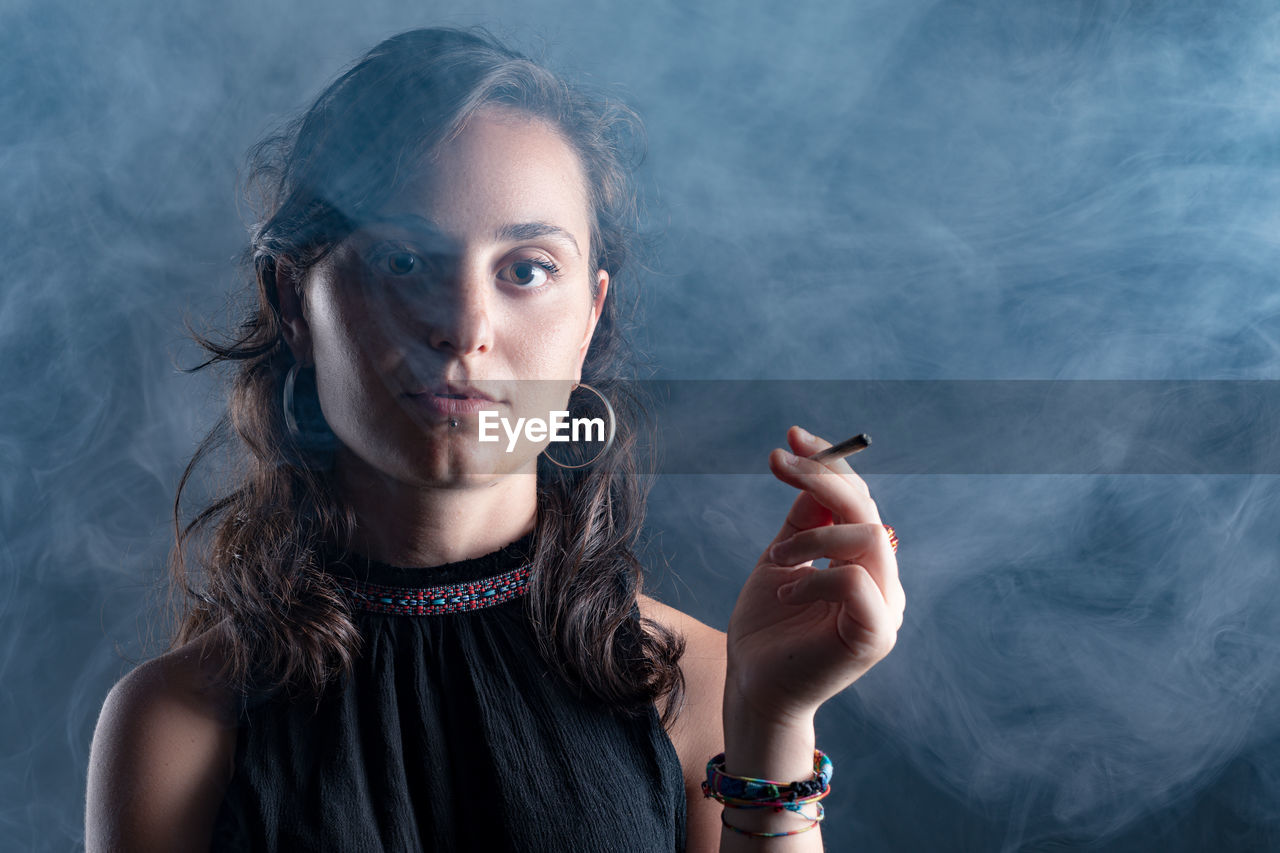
503 172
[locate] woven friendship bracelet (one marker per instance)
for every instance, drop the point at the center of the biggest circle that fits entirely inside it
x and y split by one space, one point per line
767 790
747 792
437 600
750 793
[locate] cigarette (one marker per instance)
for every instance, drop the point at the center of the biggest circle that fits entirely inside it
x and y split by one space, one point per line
848 447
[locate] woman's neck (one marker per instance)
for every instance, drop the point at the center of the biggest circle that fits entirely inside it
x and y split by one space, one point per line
406 524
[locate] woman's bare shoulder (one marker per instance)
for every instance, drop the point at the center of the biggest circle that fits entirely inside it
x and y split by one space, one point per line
188 675
698 730
702 638
703 662
162 753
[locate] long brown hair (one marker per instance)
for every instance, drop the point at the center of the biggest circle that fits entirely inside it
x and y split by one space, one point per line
280 620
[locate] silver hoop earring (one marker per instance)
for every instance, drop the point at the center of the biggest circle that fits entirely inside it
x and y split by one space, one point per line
290 422
302 415
613 429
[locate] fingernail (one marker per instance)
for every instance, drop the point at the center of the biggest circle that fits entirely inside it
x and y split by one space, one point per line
804 434
784 591
778 552
789 457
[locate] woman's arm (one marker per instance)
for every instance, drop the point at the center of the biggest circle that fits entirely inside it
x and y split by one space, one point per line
159 763
800 635
768 749
699 733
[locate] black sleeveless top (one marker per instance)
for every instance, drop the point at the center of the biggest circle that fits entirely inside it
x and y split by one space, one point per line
450 734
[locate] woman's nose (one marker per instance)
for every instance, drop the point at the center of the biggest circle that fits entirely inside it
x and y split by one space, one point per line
461 319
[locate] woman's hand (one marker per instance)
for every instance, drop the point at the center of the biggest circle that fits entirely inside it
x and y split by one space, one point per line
799 634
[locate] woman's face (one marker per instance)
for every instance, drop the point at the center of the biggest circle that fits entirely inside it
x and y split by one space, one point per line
477 273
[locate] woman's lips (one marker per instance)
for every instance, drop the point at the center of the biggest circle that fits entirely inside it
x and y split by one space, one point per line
442 404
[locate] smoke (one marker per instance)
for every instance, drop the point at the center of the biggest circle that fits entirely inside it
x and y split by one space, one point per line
911 190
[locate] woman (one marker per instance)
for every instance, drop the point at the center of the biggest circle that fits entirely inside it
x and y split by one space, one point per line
411 639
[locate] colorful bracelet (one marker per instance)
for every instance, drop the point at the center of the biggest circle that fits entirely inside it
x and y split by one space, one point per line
753 834
746 792
777 805
749 788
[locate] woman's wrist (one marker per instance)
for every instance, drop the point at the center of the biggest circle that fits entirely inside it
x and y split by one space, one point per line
776 749
763 747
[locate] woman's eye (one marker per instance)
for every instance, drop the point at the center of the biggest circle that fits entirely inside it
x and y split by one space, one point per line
402 263
529 273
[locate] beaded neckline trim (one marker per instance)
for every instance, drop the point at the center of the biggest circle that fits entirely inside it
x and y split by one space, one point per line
436 600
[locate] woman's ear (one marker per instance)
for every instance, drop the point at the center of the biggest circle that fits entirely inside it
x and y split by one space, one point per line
294 327
597 308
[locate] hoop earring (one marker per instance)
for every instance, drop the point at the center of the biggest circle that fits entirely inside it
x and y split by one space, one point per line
303 417
613 430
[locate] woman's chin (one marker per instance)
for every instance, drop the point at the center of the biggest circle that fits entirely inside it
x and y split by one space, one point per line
463 466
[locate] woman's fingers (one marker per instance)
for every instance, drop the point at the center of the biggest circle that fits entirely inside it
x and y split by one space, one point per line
833 495
844 542
835 517
865 544
852 587
807 444
807 512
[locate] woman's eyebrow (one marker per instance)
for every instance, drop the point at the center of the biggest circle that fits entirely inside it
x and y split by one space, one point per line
512 232
532 230
422 227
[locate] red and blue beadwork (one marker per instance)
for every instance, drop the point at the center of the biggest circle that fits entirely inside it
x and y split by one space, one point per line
437 600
